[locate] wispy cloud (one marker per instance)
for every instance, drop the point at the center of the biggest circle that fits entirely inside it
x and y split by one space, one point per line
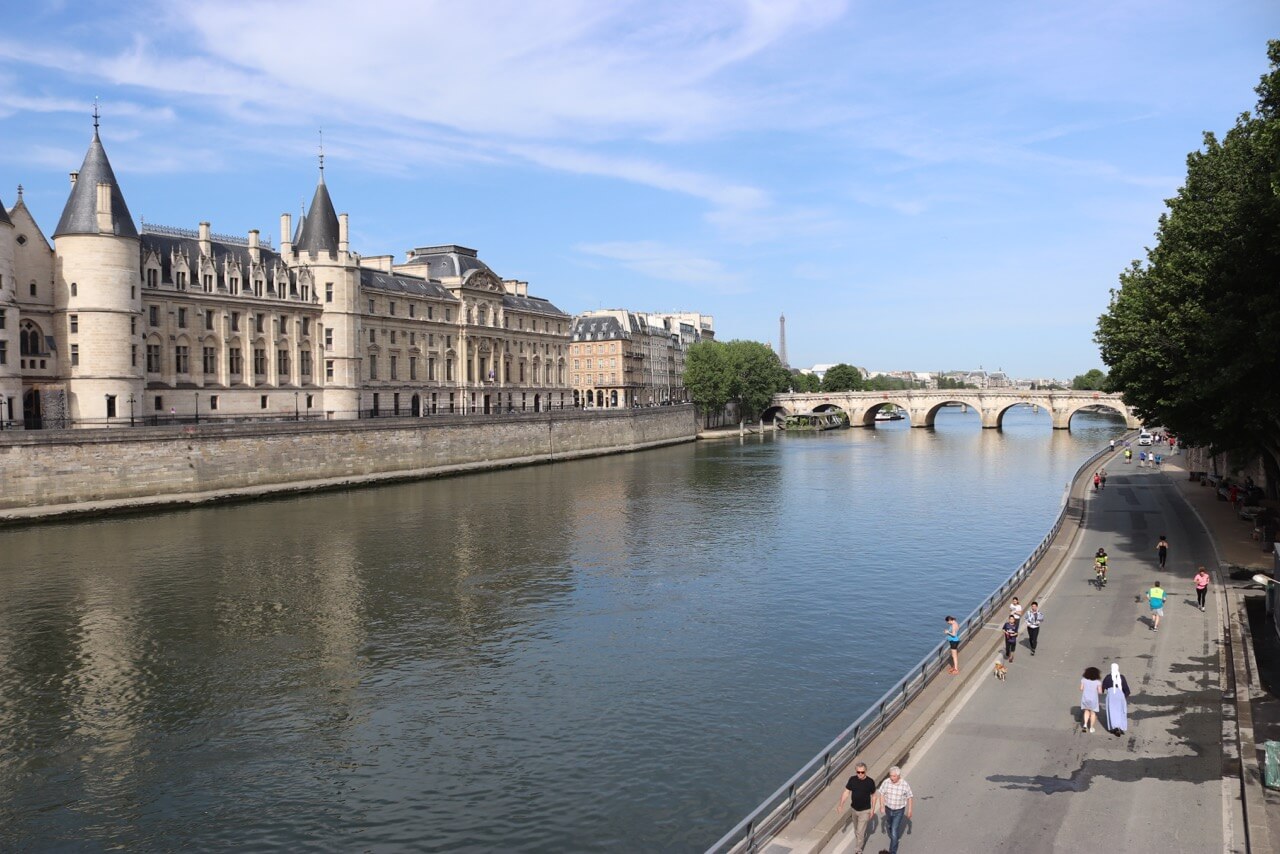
670 264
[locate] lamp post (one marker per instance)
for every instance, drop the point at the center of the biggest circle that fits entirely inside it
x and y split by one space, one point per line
197 407
131 410
106 408
295 406
5 407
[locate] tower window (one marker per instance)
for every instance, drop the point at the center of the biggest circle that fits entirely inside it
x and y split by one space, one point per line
74 289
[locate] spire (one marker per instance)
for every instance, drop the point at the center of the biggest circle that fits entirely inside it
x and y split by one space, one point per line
320 228
80 216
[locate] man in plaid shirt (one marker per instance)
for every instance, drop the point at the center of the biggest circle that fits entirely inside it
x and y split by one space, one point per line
896 798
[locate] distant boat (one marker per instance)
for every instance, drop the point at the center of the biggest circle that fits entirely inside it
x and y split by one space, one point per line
814 421
892 414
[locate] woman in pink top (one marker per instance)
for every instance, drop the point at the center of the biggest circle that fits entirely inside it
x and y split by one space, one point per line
1202 586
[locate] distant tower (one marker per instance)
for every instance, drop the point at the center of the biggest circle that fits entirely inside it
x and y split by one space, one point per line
782 340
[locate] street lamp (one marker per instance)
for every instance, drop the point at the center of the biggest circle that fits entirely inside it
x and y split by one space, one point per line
130 410
295 406
197 407
106 407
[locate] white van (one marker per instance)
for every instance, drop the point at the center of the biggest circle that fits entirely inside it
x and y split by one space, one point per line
1145 438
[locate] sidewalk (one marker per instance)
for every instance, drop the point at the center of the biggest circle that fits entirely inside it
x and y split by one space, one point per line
1002 766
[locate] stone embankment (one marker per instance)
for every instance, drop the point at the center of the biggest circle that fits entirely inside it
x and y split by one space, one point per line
49 474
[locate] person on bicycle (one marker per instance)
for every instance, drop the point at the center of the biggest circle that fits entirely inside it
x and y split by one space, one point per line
1100 566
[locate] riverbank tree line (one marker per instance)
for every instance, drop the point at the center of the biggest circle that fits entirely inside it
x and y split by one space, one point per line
1192 335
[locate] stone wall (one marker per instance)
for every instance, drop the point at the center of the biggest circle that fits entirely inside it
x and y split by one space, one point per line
61 471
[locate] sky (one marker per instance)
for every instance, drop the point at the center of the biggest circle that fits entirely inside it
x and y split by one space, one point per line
916 186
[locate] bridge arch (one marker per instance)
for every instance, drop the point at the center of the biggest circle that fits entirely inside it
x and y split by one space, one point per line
929 413
868 415
773 413
1114 405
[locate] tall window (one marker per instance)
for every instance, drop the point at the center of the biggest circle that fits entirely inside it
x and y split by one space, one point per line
153 277
282 364
413 367
328 369
181 359
208 319
153 315
373 367
328 291
210 361
182 318
259 361
236 361
328 339
235 321
153 358
75 355
304 363
75 323
394 372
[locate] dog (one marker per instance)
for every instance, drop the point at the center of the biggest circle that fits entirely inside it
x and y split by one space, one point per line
1001 670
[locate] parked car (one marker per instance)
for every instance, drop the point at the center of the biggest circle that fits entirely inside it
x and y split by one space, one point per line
1145 438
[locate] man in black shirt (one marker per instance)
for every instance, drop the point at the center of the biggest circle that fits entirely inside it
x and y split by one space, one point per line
858 792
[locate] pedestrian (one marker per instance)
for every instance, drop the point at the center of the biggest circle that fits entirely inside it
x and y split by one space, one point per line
860 793
1202 586
953 638
1116 688
1142 459
1010 629
895 799
1162 550
1015 611
1097 481
1128 455
1090 688
1035 617
1102 474
1155 598
1113 444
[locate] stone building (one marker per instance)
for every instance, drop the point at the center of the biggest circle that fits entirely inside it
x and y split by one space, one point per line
118 324
623 358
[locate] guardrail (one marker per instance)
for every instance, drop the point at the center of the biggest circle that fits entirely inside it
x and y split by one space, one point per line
780 809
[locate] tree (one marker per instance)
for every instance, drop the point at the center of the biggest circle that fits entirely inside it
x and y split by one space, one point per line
1090 380
747 373
842 377
1191 335
707 377
757 376
805 382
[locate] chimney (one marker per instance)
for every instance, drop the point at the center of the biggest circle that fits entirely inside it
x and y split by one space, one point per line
254 252
342 233
206 240
104 209
286 235
74 176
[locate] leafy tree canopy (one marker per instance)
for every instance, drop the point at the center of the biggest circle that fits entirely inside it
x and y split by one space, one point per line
1091 380
747 373
805 382
842 377
1191 336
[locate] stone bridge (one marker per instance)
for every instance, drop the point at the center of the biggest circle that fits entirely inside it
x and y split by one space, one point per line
922 405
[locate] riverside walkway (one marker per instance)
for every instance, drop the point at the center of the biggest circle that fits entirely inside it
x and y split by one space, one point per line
1003 766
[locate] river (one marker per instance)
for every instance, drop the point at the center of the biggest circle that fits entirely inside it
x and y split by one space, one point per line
621 653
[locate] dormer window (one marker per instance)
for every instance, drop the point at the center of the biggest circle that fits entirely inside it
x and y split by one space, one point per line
153 277
180 279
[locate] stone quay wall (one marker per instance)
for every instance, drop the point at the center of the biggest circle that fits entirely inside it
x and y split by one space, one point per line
75 471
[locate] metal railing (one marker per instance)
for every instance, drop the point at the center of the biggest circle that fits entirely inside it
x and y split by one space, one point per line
780 809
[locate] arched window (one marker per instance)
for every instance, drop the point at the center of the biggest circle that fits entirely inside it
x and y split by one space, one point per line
30 341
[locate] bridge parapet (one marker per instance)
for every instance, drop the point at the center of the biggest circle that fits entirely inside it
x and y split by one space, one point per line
923 405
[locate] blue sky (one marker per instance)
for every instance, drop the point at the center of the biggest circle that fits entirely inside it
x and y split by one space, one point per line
921 186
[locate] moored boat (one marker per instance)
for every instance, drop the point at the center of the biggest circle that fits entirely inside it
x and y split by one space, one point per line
814 421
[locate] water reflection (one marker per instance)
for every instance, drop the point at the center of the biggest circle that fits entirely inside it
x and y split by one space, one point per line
619 653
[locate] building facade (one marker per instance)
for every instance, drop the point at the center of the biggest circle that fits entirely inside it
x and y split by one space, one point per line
624 358
116 324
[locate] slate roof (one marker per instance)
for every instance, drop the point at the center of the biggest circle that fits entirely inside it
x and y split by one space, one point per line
597 329
80 216
165 245
446 260
409 285
535 305
4 215
320 229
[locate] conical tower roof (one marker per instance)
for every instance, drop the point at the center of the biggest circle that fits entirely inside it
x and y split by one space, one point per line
4 215
80 216
320 228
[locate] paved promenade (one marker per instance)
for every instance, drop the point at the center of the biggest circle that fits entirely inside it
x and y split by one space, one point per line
1003 766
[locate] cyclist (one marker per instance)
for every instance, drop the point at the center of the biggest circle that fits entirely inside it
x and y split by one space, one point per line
1100 567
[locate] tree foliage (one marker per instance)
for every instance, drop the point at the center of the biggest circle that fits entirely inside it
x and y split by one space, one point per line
842 377
1091 380
1192 335
805 382
949 382
746 373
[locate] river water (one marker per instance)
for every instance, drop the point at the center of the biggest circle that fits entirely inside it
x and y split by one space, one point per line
624 653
